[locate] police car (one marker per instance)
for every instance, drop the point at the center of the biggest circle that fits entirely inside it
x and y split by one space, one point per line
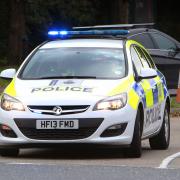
92 86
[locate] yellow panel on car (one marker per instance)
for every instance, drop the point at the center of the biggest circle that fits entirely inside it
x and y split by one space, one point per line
10 90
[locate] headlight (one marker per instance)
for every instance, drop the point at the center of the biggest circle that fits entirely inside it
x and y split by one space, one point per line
112 103
9 103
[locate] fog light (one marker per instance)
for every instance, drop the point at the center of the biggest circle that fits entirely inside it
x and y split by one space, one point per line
117 126
6 131
114 130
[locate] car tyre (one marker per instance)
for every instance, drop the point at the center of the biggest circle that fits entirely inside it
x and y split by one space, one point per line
162 139
135 149
10 152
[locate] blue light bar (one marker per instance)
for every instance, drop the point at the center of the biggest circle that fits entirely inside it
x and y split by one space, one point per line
63 33
53 33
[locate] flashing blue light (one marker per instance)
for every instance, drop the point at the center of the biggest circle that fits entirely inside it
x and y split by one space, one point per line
53 33
63 33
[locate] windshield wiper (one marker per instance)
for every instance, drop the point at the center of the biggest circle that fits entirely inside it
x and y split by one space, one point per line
68 77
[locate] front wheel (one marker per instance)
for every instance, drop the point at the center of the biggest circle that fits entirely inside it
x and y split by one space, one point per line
135 149
161 140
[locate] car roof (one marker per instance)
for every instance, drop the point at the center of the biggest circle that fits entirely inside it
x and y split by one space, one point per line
101 43
133 29
140 30
136 31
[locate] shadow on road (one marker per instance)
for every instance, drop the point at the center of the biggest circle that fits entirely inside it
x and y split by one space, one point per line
76 152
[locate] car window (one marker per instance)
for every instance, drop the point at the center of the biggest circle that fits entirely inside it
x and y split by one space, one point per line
143 59
144 39
79 62
149 59
163 42
136 60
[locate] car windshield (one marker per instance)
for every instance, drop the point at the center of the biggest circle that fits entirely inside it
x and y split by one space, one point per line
75 63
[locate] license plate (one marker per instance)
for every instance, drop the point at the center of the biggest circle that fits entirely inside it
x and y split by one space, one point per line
57 124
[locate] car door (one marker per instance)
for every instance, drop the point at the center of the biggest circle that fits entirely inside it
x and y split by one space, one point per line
144 88
158 91
167 57
153 96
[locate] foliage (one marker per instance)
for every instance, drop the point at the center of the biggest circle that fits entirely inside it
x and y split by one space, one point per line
42 15
174 104
3 82
3 29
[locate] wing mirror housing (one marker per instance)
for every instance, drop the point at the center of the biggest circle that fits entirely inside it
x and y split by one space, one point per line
8 74
147 73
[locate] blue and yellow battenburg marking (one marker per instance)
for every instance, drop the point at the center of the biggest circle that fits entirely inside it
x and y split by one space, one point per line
163 82
154 85
150 91
140 91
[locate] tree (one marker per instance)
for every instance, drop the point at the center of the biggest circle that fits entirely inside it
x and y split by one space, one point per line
119 11
30 19
3 31
17 31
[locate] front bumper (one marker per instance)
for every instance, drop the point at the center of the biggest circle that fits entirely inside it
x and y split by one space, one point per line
102 120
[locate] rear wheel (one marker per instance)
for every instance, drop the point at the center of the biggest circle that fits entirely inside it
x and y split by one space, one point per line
135 149
11 152
161 140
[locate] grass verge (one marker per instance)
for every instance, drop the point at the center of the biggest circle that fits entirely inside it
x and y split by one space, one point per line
174 104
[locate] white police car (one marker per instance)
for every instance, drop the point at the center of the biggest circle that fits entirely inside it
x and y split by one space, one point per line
85 87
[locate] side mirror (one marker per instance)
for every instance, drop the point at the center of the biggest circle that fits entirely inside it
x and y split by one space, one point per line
147 73
8 74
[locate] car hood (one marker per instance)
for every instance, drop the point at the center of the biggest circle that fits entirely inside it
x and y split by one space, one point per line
66 91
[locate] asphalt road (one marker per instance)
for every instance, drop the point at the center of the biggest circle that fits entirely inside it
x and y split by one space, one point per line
89 162
59 172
